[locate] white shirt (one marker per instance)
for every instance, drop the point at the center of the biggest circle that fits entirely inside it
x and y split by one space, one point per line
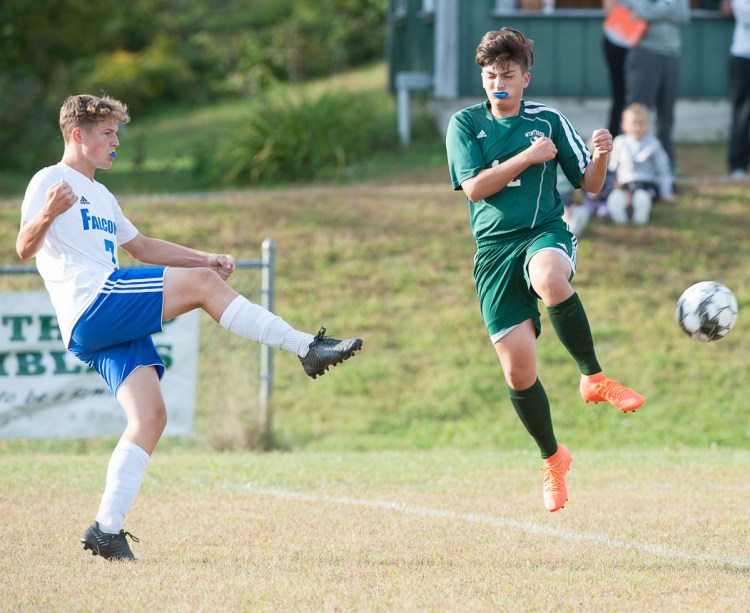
80 248
741 38
641 160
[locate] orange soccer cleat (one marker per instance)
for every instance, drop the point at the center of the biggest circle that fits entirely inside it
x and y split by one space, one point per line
598 388
555 492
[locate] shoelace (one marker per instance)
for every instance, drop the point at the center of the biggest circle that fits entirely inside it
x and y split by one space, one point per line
123 534
553 477
612 390
320 335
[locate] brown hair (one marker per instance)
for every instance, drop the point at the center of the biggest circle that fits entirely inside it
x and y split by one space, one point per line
85 111
503 47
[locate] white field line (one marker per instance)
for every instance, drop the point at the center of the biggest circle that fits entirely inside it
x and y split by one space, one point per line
499 522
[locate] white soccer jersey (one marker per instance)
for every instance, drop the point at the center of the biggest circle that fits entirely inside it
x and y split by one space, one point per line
80 249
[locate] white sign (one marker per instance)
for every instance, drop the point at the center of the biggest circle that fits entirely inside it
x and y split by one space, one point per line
45 392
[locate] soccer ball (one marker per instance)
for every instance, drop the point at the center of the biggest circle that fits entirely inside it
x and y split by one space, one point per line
707 311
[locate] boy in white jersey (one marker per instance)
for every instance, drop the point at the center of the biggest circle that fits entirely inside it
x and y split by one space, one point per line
504 153
74 226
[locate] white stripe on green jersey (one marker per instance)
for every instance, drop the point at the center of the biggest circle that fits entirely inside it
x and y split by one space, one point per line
476 140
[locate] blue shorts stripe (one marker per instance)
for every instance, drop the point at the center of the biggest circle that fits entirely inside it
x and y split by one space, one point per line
141 290
113 335
124 286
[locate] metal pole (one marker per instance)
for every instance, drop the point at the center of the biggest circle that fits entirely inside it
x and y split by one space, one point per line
268 259
403 112
405 82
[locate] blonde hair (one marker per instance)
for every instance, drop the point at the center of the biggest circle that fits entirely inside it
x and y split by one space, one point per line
636 110
85 111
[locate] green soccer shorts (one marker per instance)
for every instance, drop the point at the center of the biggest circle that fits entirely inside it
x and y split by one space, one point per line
502 278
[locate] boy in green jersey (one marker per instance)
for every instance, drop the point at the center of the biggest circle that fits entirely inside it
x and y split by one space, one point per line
504 153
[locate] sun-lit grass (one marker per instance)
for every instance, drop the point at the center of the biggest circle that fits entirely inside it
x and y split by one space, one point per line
166 152
395 531
392 263
170 151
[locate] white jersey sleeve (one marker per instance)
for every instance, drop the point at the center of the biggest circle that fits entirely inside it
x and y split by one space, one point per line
80 249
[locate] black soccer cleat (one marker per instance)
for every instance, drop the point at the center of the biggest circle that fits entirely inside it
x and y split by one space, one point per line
108 546
326 352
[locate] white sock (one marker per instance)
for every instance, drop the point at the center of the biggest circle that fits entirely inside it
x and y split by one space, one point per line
255 323
124 478
617 204
641 207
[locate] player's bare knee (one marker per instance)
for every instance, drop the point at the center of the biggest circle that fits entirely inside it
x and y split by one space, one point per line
208 277
155 420
520 379
205 281
551 286
161 423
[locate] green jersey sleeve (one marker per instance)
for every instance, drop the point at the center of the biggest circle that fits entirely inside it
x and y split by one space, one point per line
465 157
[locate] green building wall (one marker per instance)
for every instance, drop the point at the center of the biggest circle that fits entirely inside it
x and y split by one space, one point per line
568 43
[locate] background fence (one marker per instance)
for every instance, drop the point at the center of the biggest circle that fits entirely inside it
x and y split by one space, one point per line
235 377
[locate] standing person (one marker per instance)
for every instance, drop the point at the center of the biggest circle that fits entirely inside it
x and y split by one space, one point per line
74 226
615 52
739 87
652 68
503 153
641 168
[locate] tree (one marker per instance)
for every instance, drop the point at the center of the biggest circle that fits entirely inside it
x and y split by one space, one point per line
150 52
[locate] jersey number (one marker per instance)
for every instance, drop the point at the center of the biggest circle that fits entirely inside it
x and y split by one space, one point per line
110 246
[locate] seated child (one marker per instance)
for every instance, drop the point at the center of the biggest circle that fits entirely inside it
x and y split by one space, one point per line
642 169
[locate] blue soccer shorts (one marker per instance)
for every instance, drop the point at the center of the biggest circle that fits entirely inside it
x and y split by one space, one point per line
113 336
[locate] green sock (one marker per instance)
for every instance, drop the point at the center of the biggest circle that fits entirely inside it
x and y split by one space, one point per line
572 327
532 407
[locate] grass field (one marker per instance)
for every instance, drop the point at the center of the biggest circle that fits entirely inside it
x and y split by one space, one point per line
412 485
384 531
392 263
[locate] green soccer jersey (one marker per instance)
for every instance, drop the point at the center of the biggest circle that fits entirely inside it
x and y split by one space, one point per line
476 140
